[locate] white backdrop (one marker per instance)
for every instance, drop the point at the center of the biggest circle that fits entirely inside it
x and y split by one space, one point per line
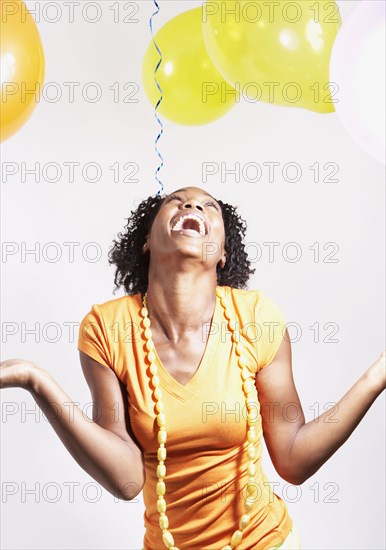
333 293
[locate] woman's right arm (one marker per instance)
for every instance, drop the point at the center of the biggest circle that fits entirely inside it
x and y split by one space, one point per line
102 445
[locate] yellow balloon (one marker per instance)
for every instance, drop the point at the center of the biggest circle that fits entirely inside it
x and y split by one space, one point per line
22 66
275 52
193 90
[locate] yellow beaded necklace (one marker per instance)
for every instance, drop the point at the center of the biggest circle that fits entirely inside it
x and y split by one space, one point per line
247 385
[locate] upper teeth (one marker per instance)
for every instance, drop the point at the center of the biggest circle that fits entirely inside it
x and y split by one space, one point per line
179 223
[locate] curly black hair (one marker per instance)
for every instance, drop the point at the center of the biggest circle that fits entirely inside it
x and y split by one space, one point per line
132 266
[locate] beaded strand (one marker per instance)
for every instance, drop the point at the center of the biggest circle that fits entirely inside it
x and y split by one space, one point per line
247 386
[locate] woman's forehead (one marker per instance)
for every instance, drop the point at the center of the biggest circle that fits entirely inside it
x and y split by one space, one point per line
197 189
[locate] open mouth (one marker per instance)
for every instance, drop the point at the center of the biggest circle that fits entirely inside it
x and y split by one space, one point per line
191 224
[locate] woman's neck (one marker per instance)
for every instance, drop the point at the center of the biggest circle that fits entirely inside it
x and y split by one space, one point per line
181 303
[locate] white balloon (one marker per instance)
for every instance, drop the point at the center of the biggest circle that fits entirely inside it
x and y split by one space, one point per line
346 7
357 66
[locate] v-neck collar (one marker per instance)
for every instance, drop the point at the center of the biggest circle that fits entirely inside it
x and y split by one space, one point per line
184 392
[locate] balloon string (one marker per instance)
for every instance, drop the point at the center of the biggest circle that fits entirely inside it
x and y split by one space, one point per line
158 103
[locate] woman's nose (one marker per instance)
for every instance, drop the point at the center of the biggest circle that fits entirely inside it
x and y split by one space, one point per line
193 203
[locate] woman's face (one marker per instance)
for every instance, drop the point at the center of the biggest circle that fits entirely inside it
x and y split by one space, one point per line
189 223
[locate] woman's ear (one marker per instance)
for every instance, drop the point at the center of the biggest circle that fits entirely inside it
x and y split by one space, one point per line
145 246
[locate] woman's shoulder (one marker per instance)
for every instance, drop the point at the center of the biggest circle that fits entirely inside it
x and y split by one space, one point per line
256 299
247 295
117 307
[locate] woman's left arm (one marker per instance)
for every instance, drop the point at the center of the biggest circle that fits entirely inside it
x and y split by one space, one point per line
298 448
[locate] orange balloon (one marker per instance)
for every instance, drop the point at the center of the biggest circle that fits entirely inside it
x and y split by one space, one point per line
22 66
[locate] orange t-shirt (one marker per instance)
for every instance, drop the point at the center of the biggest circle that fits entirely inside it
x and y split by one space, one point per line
206 422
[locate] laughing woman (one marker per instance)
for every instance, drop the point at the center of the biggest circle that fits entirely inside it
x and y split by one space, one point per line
183 370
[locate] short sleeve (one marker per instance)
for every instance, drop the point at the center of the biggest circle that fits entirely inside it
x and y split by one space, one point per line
92 337
270 328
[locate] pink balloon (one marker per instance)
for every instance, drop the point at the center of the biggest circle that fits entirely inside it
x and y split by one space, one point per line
357 67
346 7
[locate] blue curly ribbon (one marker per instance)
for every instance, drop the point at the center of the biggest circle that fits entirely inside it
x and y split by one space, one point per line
158 103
